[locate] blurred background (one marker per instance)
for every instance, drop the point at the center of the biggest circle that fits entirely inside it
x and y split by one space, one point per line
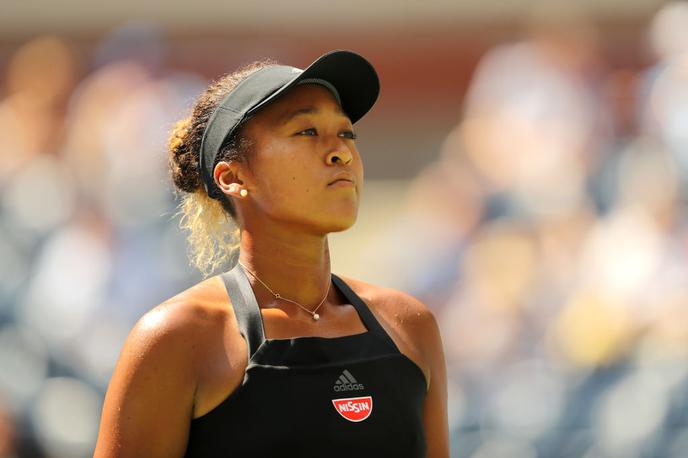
526 177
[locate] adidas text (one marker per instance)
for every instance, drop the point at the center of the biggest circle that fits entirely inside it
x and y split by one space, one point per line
348 387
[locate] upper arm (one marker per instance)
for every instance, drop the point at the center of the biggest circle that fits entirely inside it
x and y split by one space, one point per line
422 326
435 419
149 402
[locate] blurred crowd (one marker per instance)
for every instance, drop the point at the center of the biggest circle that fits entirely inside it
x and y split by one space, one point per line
88 238
550 238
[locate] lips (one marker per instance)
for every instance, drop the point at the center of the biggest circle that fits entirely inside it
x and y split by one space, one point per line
342 177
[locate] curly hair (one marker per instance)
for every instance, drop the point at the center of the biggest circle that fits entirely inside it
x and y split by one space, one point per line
213 232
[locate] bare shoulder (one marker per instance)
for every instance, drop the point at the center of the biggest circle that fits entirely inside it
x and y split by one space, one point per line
150 398
194 319
391 302
410 323
164 338
181 317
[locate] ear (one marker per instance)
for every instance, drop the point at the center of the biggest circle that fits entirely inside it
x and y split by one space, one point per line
228 176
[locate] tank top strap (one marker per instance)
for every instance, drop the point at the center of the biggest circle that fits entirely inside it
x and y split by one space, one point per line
245 307
364 312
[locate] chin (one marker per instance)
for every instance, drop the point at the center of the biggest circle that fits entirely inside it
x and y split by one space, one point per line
332 218
341 227
339 224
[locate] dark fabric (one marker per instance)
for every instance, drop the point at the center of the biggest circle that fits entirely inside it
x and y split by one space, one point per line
285 403
250 323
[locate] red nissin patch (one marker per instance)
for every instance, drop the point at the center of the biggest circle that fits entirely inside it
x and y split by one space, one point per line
354 409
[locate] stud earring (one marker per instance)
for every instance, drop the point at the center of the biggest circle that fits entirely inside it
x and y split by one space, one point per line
243 192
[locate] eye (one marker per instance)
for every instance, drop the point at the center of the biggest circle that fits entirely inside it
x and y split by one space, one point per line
311 131
349 134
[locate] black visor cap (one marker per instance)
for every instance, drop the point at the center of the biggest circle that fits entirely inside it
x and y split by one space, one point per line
352 76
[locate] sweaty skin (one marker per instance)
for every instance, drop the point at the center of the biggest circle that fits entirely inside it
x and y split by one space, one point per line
184 356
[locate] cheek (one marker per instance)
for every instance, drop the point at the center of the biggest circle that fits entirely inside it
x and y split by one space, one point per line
281 173
358 168
286 184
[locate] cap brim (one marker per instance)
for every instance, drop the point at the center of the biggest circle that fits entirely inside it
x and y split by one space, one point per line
352 75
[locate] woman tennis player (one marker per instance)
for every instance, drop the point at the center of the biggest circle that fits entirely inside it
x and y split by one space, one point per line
277 356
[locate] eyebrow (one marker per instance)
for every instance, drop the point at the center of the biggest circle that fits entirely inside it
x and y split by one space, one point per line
289 115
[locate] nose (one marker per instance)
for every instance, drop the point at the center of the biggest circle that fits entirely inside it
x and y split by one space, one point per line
341 155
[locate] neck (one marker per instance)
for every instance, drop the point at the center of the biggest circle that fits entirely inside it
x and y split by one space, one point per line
296 266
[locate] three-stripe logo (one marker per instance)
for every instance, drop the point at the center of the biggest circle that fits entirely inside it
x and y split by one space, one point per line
347 382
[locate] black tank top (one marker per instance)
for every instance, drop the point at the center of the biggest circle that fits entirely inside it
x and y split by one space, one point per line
352 396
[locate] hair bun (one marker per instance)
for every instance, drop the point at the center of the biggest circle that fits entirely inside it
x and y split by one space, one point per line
183 157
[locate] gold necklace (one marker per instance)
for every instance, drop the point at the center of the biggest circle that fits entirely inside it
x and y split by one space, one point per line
315 316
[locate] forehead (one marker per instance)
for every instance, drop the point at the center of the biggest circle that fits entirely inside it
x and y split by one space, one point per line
300 99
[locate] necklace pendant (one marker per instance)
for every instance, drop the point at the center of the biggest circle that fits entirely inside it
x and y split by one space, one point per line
316 317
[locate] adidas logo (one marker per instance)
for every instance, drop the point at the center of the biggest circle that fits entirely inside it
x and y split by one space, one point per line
347 382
